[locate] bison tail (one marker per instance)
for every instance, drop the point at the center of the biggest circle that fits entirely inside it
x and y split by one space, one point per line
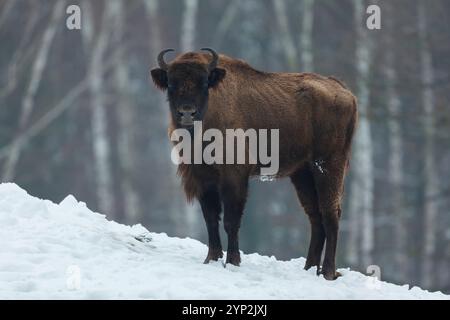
351 130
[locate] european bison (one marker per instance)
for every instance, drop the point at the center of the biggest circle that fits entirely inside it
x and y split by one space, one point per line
316 118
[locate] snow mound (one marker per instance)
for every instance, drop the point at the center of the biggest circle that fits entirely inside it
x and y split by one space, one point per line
66 251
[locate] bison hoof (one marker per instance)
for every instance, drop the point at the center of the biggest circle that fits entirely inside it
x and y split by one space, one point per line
309 265
234 258
318 270
331 275
214 255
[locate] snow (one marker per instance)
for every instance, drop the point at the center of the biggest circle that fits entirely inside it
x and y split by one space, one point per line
66 251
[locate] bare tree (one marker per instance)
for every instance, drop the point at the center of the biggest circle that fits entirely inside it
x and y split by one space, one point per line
250 48
306 44
100 141
27 105
287 43
395 154
430 178
360 211
125 117
187 41
18 60
176 207
188 26
250 27
151 8
225 22
6 9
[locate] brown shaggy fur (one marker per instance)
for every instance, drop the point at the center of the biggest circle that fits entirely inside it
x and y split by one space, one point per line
316 117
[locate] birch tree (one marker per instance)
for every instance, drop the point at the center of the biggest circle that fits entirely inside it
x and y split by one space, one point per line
225 22
249 28
188 26
101 145
6 8
17 64
176 207
151 8
287 44
28 101
125 117
429 170
395 153
360 213
306 45
187 42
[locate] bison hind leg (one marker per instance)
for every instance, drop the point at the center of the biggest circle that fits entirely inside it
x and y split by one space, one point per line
329 186
303 182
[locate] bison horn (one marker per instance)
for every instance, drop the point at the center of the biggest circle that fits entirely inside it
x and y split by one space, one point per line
215 59
162 64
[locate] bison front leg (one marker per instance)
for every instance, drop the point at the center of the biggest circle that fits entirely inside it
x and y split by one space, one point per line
329 180
210 203
234 197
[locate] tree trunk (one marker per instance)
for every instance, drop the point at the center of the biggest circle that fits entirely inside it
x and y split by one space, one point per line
361 186
16 65
287 43
430 177
100 141
5 9
250 49
188 26
225 23
176 211
125 119
306 44
395 155
35 80
187 41
151 7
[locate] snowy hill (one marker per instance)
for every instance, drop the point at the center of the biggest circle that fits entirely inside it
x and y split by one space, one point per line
66 251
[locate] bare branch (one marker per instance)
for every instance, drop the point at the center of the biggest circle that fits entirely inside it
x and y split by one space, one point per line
20 55
54 113
7 7
36 76
225 23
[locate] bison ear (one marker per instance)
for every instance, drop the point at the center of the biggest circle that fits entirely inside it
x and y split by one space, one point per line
159 77
215 76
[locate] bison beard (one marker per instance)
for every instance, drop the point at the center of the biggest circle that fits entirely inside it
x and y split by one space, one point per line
315 115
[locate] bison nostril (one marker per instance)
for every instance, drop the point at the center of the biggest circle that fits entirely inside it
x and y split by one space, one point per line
187 112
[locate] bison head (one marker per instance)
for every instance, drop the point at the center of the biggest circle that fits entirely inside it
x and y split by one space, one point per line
187 82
